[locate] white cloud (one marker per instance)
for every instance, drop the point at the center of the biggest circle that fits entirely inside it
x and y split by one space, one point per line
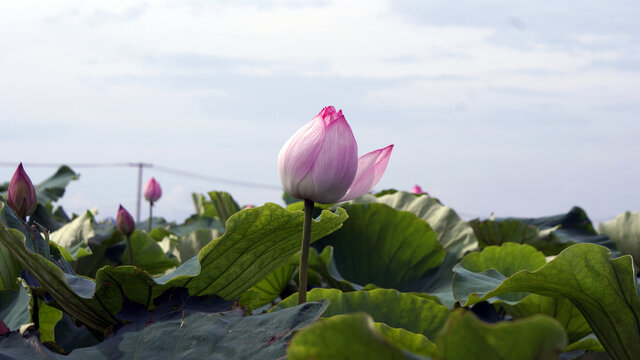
180 83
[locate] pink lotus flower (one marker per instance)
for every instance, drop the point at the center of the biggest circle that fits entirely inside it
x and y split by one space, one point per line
416 189
21 195
320 161
152 190
124 222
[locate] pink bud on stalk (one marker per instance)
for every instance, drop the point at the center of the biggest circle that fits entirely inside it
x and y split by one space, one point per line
124 222
152 190
21 195
320 161
416 189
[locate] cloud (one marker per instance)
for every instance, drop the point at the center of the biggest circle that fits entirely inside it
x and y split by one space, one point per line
102 17
186 83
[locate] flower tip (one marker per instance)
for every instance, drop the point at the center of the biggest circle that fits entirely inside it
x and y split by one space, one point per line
416 189
329 115
328 110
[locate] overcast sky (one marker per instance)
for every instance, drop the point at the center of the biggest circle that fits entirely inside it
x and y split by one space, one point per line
493 106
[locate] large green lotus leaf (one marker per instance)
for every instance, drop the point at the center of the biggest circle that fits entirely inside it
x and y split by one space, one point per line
317 208
148 255
43 216
224 203
573 227
48 317
624 230
203 206
185 241
490 232
184 331
415 343
270 288
561 309
257 242
288 199
396 309
589 343
74 236
384 246
345 337
70 336
107 247
454 233
11 220
480 272
469 286
439 283
325 265
196 223
603 289
14 307
13 346
189 245
53 187
508 259
466 337
9 270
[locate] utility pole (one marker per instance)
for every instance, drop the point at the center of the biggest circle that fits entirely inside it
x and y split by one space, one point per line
140 166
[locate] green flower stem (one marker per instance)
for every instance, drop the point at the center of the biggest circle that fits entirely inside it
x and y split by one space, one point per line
130 249
304 253
150 213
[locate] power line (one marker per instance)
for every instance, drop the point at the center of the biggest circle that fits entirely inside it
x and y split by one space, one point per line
165 169
216 179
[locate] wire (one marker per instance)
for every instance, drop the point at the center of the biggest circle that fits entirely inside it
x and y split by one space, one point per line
216 179
165 169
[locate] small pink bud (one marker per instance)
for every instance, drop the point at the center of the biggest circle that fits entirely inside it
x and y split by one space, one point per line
21 195
124 222
320 161
248 207
416 189
152 190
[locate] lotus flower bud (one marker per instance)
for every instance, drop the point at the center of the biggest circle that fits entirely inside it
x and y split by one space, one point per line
320 161
416 189
21 195
152 190
124 222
